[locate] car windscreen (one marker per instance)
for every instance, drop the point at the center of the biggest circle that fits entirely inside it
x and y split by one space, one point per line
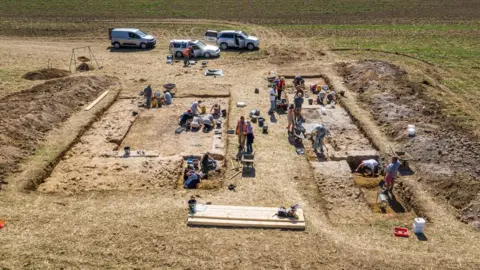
140 33
245 35
199 44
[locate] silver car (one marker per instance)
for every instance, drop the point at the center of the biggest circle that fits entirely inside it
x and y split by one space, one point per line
200 49
236 39
131 37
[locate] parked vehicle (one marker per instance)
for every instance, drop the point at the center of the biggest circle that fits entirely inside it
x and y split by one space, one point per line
200 49
211 35
236 39
131 37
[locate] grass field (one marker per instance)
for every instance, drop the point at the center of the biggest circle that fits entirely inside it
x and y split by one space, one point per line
279 11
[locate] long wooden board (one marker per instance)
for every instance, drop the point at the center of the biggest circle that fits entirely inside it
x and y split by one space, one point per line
245 223
244 216
96 100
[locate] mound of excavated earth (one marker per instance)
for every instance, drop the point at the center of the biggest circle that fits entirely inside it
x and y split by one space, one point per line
46 74
28 115
446 154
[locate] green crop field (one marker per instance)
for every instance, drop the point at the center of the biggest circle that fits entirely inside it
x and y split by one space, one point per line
266 11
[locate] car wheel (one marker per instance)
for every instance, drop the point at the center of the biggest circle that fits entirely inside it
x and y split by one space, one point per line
223 46
143 45
250 46
179 54
207 55
116 45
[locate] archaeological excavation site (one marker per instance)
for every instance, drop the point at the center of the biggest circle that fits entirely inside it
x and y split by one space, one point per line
285 155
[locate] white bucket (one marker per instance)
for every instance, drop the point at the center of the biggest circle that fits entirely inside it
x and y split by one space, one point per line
418 225
323 110
241 104
411 130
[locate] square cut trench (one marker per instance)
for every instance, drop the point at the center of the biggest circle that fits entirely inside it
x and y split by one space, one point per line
154 131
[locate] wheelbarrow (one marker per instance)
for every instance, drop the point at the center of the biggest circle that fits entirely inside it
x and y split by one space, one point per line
247 162
171 87
403 157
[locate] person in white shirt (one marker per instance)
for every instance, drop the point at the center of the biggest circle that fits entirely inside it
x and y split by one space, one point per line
368 165
195 109
273 100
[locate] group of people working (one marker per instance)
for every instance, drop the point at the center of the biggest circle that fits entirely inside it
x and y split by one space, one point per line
197 116
372 167
195 171
156 99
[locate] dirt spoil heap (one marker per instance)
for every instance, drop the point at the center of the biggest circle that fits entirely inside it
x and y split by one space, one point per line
28 115
46 74
446 153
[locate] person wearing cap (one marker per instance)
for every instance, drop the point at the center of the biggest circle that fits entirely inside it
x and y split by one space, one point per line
185 116
320 132
250 138
147 93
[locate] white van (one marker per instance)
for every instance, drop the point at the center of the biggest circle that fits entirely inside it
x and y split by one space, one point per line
131 37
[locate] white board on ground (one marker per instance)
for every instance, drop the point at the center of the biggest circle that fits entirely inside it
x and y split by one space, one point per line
96 100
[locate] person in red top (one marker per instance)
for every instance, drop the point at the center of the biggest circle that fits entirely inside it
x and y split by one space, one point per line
280 88
242 133
186 56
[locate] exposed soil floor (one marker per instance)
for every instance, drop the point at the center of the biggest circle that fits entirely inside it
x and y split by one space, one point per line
97 210
155 130
28 115
445 153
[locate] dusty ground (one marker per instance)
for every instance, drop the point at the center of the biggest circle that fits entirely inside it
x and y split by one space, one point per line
104 212
46 74
28 115
445 153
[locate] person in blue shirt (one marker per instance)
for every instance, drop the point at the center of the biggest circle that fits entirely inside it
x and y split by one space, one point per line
168 98
391 174
192 181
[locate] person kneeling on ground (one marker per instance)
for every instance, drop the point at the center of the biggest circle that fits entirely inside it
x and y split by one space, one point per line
208 164
299 81
168 98
331 97
184 117
370 165
193 179
216 110
207 121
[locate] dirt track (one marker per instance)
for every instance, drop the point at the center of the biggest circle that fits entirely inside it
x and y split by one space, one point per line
123 218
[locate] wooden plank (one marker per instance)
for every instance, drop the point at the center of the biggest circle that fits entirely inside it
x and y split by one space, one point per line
96 100
244 213
121 154
245 223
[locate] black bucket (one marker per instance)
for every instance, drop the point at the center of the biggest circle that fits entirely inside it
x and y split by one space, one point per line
224 113
310 101
257 91
261 120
